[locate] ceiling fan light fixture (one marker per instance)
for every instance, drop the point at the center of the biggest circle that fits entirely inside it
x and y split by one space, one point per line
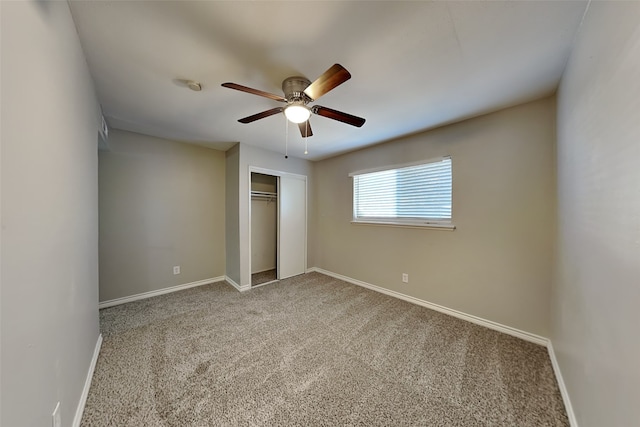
297 113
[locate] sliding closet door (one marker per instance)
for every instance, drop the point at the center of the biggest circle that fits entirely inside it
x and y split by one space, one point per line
292 256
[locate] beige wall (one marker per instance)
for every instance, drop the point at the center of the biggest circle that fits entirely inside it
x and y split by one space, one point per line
49 233
162 204
596 299
497 264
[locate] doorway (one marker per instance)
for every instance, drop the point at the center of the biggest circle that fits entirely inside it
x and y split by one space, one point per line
278 225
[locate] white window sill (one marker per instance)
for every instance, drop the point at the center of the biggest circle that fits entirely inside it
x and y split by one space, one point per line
427 225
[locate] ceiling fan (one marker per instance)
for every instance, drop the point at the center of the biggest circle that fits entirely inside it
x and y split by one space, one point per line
298 93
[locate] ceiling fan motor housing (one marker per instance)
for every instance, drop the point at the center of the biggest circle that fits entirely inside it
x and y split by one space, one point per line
293 88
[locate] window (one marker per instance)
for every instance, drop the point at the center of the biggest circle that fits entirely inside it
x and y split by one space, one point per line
416 194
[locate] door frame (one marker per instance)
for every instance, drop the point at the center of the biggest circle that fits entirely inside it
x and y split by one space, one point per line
279 174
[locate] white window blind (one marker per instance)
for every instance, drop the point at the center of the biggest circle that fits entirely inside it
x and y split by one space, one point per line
410 194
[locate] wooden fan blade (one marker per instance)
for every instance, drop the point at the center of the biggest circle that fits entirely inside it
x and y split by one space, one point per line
254 91
334 76
262 115
338 115
305 129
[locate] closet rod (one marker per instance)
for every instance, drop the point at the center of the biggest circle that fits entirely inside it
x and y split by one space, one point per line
263 194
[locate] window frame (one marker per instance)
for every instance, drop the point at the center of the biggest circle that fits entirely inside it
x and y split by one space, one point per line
441 224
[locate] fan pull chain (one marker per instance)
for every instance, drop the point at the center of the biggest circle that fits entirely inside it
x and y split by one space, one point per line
306 124
286 137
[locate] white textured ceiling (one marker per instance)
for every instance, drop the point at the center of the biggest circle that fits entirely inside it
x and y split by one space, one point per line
414 65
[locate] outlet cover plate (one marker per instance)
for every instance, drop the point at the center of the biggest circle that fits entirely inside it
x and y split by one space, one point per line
176 269
405 278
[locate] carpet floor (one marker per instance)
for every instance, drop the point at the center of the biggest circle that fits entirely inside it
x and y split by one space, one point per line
311 351
263 277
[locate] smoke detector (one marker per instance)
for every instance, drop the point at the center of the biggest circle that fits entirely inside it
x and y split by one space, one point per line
193 85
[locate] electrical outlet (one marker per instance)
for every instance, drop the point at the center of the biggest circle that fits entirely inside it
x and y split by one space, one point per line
405 278
55 417
176 269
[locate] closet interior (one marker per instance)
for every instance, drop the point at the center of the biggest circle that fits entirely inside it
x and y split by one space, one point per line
264 228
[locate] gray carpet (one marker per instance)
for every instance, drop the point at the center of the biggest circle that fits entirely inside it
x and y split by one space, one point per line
312 351
263 277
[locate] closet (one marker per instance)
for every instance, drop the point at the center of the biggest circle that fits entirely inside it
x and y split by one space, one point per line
278 225
264 228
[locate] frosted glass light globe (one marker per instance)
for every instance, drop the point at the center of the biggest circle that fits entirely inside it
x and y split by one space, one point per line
297 113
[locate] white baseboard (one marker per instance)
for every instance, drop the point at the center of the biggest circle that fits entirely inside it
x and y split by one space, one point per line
527 336
573 422
235 285
144 295
87 383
